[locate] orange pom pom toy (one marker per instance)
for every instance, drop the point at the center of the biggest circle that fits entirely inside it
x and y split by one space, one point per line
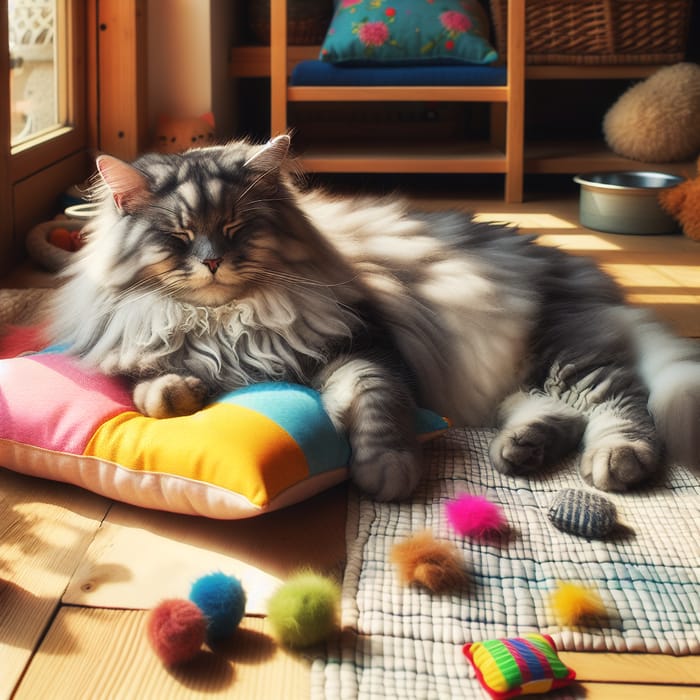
430 563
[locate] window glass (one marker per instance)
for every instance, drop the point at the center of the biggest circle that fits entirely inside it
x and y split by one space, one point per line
34 37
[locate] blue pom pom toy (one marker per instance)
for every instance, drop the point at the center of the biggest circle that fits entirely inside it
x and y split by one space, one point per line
222 600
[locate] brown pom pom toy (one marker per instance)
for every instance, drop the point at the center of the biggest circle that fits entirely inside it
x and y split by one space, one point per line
434 564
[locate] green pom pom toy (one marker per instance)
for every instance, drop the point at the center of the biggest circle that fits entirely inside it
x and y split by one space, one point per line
304 610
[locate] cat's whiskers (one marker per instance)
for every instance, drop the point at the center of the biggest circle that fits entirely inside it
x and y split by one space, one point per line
166 210
249 206
141 288
294 278
302 287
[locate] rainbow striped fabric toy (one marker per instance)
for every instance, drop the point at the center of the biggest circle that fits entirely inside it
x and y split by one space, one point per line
514 666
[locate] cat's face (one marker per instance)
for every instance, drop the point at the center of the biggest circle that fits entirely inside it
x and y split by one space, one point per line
201 226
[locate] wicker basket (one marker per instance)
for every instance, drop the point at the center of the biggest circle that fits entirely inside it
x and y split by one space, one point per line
307 21
599 31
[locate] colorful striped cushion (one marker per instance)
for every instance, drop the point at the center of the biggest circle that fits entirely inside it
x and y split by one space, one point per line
251 451
514 666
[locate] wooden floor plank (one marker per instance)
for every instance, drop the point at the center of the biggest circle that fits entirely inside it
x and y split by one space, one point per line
635 691
634 668
103 653
140 557
100 654
45 530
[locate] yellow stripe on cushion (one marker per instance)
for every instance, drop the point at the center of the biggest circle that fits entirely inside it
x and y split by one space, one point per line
495 675
225 445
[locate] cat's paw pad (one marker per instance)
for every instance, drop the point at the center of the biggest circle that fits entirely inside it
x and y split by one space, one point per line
518 451
169 396
390 476
617 467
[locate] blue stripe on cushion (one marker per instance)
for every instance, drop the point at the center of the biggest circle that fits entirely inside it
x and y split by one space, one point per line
428 422
321 73
299 411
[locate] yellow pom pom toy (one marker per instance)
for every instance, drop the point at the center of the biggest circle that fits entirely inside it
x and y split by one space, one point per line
577 605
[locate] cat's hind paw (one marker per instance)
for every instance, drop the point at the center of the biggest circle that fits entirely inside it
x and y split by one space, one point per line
617 467
389 476
170 395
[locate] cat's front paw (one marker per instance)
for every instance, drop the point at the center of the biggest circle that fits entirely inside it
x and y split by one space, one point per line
617 467
170 395
391 475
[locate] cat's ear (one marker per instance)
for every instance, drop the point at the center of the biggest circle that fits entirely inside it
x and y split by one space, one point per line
128 185
208 117
269 158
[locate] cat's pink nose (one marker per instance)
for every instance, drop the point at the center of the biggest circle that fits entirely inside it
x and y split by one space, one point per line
213 263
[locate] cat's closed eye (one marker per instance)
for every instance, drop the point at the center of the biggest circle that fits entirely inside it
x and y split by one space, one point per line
230 229
184 235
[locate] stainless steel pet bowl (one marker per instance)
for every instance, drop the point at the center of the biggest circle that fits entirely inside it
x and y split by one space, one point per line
626 202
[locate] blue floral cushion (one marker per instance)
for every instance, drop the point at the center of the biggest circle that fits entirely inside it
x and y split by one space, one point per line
408 31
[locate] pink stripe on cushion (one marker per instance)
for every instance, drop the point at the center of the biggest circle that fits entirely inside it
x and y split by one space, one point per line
51 402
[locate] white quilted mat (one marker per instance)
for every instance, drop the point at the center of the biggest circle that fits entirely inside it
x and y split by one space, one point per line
404 642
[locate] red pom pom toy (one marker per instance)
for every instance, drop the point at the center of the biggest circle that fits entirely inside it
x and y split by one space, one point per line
176 630
475 516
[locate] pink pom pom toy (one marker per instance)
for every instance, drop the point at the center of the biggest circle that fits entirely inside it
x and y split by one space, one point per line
475 516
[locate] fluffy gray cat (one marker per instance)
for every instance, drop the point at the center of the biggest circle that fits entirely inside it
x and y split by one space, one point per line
209 270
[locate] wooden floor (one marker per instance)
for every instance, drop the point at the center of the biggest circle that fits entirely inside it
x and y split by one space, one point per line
78 573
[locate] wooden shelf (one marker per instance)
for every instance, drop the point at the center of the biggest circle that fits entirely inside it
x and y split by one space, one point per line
570 157
444 157
592 72
434 93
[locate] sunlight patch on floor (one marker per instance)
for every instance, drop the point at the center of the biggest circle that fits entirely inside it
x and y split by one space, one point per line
527 220
682 277
577 241
687 275
636 275
656 299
